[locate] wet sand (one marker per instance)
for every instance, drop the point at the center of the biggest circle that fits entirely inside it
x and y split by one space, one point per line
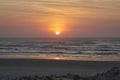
20 67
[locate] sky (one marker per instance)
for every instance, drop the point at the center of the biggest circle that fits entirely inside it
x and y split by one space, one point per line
72 18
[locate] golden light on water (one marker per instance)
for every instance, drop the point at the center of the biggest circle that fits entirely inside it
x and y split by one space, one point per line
57 58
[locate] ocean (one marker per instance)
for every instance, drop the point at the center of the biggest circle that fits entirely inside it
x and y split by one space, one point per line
100 49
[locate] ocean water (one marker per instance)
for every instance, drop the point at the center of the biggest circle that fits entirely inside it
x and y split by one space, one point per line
61 48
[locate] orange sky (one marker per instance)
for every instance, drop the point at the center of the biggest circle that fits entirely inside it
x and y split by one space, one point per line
73 18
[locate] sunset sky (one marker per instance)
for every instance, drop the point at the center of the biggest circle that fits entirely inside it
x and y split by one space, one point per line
72 18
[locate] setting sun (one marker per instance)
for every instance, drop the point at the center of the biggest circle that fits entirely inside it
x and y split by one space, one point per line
57 33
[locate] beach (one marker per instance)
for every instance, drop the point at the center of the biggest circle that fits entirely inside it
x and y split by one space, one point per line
24 67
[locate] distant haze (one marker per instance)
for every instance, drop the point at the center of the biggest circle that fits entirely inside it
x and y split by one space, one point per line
73 18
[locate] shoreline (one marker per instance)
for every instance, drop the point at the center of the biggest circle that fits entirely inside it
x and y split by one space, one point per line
57 57
59 60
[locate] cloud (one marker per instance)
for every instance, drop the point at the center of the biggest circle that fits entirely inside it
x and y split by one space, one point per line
56 7
85 14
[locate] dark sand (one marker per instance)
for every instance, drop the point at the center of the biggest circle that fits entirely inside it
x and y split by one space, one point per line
37 66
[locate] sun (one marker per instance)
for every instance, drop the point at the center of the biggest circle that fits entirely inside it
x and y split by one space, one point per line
57 33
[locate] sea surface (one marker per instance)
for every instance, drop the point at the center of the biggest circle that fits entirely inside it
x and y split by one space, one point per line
61 48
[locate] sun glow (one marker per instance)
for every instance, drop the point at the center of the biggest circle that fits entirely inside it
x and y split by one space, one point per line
57 24
57 33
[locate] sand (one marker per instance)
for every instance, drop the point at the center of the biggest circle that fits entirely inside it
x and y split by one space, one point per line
20 67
